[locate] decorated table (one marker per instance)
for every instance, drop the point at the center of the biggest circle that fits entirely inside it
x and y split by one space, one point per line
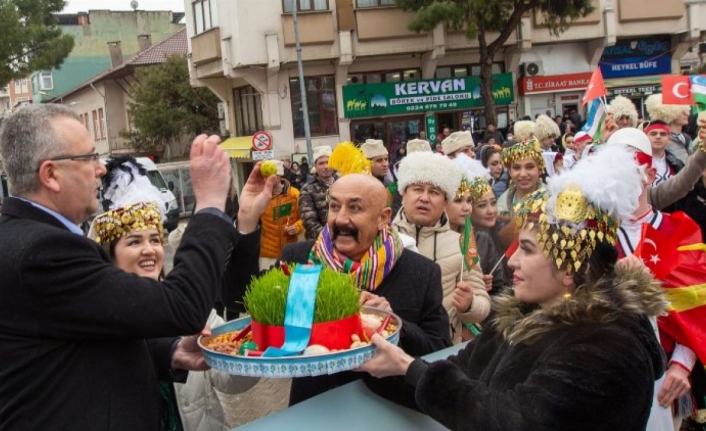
351 407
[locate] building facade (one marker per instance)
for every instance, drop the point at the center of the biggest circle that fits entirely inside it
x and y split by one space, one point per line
93 31
367 75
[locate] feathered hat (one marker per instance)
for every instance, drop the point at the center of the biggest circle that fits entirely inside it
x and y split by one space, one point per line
133 202
349 159
583 206
475 181
659 111
523 130
527 149
545 127
430 168
621 107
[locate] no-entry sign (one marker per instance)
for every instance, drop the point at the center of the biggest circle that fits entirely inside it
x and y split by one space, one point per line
261 141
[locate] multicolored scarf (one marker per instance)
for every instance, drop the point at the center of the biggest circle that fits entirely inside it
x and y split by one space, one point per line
372 268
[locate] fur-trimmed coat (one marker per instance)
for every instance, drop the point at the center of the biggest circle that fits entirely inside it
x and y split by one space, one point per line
589 363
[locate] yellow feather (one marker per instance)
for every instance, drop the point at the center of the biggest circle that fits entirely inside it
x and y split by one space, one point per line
346 158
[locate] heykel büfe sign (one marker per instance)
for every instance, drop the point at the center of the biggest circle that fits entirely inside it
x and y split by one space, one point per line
369 100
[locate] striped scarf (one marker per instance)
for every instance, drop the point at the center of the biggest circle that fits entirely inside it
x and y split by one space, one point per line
372 268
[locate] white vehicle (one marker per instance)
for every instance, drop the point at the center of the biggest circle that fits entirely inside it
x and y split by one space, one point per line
171 220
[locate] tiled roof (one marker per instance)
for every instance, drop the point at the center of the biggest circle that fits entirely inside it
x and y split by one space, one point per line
155 54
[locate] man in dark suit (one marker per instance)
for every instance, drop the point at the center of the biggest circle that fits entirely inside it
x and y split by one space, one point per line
82 343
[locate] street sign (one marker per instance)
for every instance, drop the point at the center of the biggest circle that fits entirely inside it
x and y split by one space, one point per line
263 155
261 141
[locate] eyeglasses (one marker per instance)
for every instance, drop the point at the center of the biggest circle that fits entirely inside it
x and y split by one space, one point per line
81 157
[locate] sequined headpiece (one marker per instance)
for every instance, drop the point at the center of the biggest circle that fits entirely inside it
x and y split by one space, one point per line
527 149
474 182
583 207
135 204
115 224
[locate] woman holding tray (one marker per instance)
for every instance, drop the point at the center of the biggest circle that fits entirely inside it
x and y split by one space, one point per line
131 234
572 347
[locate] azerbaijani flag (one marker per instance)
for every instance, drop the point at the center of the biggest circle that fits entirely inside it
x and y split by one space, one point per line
596 117
469 249
698 89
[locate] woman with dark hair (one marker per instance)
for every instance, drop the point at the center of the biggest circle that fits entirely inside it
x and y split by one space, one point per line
297 177
499 178
571 346
131 234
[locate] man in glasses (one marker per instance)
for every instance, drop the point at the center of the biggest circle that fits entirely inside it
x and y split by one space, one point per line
78 336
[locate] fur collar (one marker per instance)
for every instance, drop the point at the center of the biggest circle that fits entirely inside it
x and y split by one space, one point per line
633 292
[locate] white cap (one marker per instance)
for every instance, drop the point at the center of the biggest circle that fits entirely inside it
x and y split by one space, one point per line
322 151
632 137
373 148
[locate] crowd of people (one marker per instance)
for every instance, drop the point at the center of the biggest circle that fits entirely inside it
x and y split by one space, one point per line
522 246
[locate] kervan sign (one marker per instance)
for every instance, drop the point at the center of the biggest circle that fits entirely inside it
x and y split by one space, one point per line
395 98
554 83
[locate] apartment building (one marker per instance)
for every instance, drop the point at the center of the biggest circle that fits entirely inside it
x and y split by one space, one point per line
367 75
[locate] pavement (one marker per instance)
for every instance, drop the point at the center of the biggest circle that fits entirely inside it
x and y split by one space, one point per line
266 397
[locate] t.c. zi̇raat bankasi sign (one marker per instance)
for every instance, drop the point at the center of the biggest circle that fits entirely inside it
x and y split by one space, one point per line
395 98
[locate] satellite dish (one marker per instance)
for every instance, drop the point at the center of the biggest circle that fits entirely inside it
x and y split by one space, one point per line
134 4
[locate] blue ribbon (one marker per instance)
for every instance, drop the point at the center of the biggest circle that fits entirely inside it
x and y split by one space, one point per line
299 313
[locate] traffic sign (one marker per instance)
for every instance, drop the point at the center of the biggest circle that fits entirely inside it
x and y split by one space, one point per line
263 155
261 141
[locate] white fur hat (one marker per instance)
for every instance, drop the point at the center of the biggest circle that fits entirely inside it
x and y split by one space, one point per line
456 141
631 137
662 112
373 148
322 151
523 129
621 106
418 145
430 168
545 127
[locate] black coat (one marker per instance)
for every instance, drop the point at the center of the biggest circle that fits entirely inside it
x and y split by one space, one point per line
78 336
586 364
413 289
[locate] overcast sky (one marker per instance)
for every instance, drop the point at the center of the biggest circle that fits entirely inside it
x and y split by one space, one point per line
86 5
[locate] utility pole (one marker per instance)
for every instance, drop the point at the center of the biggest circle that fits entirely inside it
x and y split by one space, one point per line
302 85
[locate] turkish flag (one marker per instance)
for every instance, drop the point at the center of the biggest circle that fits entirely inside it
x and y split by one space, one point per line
658 252
513 248
596 87
676 90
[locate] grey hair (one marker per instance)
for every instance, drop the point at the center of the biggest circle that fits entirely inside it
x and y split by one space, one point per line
28 137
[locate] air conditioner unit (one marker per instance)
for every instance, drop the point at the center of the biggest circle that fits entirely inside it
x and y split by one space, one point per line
533 68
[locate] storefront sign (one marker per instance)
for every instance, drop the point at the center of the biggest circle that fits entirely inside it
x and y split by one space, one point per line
431 128
644 90
394 98
637 57
554 83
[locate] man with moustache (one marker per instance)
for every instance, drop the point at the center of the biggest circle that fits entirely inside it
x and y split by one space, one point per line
356 233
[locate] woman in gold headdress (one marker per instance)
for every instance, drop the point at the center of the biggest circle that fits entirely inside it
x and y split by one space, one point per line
573 340
131 233
525 165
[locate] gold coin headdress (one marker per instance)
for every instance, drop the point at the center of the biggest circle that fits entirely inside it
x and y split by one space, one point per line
527 149
583 206
134 203
475 182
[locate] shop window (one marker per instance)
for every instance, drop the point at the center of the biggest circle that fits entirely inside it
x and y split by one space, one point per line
304 5
248 111
205 15
321 104
389 76
373 3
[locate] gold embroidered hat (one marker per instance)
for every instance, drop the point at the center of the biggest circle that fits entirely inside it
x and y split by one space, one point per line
527 149
475 181
583 206
134 203
115 224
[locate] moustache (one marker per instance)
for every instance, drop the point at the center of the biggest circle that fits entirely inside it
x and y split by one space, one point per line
349 230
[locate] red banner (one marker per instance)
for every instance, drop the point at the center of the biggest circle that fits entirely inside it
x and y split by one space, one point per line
554 83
